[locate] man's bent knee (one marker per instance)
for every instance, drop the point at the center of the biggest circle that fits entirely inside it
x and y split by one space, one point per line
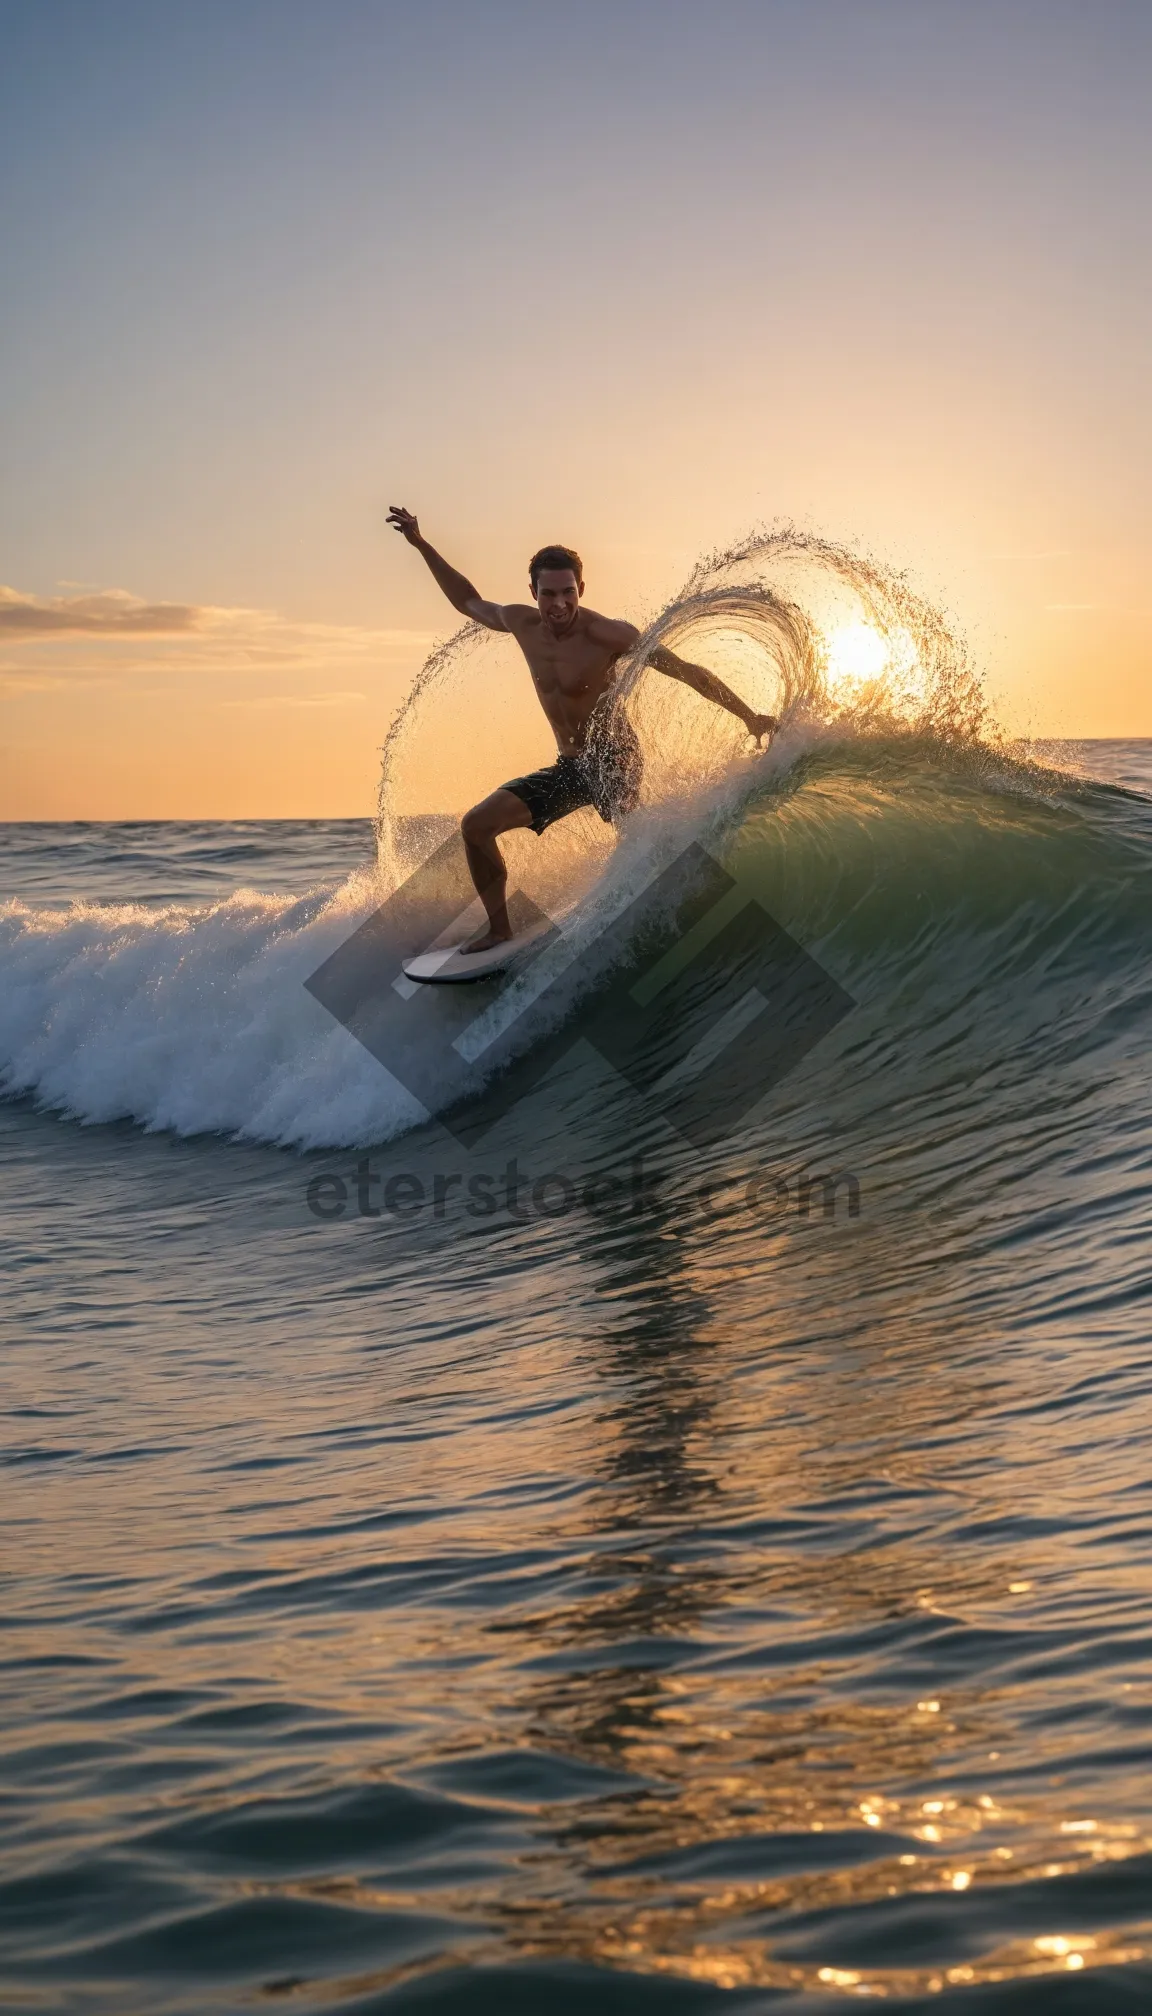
487 820
478 826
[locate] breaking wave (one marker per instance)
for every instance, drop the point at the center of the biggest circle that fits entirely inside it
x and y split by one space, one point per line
887 827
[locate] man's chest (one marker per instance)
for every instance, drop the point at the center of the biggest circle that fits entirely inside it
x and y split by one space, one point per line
571 669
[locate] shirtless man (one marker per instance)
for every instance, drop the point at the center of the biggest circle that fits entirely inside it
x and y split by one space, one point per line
573 655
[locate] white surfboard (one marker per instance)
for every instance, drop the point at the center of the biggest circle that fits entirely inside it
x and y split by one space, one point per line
451 963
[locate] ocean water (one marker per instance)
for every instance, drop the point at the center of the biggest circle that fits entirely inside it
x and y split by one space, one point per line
585 1567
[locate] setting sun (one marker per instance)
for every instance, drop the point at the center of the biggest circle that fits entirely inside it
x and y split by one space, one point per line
856 651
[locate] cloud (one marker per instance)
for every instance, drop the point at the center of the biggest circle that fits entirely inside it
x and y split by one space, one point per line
110 613
14 683
105 648
1044 553
215 638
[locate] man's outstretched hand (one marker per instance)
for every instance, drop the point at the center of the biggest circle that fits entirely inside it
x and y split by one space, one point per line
762 724
405 522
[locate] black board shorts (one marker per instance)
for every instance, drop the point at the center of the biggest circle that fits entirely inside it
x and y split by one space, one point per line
606 774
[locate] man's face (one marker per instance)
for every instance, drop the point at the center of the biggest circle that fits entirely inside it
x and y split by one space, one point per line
558 597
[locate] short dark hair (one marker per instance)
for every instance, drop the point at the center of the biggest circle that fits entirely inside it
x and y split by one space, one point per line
555 556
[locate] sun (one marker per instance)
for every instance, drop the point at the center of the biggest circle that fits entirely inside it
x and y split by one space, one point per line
856 652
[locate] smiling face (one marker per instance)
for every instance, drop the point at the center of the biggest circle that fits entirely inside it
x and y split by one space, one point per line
558 595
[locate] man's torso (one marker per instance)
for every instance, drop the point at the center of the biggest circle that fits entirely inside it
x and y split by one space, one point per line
572 672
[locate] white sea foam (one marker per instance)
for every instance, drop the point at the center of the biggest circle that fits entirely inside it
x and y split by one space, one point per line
195 1020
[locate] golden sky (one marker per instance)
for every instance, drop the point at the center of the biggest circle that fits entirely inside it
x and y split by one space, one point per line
636 282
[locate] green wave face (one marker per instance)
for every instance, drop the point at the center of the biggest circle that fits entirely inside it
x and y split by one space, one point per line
904 856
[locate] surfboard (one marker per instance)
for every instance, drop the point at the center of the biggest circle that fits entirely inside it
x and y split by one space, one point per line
451 963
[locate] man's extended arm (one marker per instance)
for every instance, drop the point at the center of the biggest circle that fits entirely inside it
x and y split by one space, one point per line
711 688
457 587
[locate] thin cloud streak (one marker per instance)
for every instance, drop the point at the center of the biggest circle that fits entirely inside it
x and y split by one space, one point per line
116 613
111 638
299 700
111 613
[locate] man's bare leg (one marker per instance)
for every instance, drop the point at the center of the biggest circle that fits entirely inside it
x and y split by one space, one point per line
481 827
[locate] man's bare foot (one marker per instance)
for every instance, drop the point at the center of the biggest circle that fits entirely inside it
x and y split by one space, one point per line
489 941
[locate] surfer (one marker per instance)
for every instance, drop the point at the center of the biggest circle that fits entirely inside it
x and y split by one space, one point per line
573 655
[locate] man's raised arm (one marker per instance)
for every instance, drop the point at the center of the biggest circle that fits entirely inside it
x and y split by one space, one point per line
457 587
711 688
